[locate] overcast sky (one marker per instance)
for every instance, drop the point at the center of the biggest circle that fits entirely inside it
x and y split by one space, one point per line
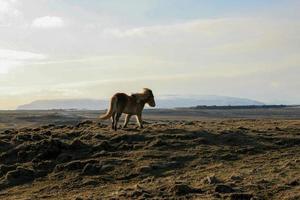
53 49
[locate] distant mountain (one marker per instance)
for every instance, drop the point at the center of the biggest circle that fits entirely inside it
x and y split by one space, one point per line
88 104
173 101
170 101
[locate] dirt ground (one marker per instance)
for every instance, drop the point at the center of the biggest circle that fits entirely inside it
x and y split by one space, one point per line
168 159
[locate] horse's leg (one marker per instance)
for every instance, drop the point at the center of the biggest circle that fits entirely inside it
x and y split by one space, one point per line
118 115
113 120
139 120
127 118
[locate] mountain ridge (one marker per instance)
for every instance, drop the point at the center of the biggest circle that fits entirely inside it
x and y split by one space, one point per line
171 101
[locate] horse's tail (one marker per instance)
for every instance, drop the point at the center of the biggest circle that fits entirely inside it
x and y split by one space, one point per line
112 108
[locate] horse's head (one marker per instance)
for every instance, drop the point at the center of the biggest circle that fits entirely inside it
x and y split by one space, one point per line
149 97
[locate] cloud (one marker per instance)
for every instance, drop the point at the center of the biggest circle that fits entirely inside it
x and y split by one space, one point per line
202 26
11 58
48 22
8 12
95 55
7 8
253 41
19 55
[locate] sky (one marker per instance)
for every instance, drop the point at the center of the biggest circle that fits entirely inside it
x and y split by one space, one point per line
62 49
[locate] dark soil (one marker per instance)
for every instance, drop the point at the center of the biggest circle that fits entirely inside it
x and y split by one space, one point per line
215 159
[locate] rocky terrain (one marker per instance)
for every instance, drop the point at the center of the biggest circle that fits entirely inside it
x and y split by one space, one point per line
191 159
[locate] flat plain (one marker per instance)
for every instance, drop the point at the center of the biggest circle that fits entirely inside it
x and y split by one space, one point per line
180 154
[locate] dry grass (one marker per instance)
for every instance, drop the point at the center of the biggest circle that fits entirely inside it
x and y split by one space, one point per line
208 159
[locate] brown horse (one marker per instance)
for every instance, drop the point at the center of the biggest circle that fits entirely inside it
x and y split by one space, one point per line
130 105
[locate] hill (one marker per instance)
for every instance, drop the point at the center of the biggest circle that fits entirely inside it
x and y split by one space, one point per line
171 101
